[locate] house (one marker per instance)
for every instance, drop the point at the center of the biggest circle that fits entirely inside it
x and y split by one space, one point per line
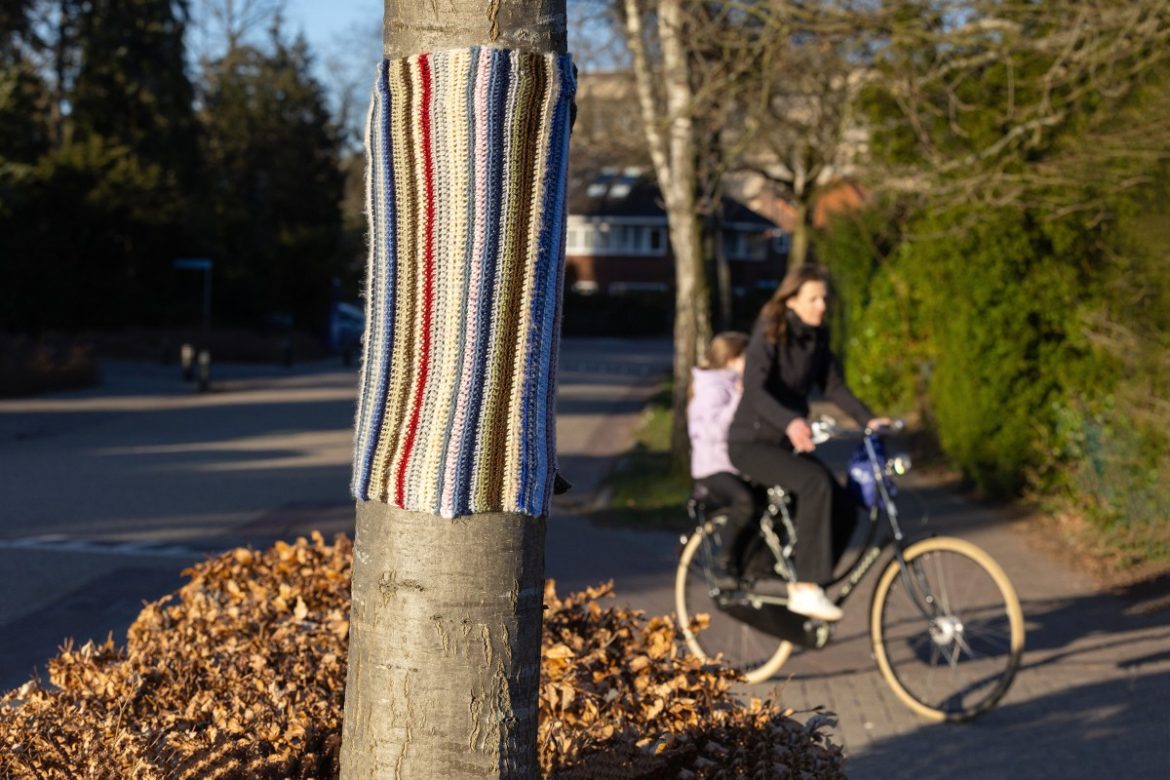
618 242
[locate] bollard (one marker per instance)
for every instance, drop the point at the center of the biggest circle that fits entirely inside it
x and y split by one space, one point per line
204 370
187 362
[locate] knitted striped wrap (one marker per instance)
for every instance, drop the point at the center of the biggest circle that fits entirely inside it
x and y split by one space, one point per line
465 191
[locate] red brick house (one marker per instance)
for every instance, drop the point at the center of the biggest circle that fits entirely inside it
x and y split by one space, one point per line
618 241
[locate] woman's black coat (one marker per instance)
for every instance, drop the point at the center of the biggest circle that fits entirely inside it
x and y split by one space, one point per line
778 378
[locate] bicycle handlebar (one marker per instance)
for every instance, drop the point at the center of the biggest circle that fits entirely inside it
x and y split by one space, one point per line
825 428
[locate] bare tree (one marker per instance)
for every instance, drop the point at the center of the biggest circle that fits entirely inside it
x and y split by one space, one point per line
799 92
444 653
346 66
797 126
667 102
225 24
983 89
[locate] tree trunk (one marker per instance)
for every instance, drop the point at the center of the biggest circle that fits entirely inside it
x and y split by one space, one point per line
798 249
444 647
689 286
444 652
673 154
722 269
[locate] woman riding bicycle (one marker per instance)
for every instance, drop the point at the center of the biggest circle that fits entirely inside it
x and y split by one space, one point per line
770 439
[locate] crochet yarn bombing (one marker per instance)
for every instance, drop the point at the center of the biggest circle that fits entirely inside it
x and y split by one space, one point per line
465 191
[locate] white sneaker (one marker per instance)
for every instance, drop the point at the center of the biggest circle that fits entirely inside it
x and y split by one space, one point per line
811 601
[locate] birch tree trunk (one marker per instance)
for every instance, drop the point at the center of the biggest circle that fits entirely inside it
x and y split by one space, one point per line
444 647
673 155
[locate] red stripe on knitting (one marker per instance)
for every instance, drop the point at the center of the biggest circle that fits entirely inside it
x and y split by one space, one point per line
428 274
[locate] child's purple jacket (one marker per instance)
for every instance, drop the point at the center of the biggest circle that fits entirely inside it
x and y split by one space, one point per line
716 394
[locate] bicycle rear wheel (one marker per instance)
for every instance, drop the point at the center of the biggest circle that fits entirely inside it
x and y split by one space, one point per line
710 633
948 637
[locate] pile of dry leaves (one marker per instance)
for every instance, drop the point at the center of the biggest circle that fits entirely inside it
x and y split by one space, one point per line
241 673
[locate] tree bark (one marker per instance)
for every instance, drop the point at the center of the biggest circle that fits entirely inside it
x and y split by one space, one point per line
673 154
412 26
444 647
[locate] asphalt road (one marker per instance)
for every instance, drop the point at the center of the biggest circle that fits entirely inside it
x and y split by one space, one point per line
107 494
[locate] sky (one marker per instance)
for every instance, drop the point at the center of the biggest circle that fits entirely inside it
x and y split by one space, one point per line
325 22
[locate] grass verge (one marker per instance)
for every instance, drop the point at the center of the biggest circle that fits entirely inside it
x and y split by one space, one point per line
645 492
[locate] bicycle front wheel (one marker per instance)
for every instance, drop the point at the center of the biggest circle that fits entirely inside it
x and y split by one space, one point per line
710 633
947 629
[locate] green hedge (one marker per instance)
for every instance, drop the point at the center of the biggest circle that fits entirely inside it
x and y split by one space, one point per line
973 320
1038 351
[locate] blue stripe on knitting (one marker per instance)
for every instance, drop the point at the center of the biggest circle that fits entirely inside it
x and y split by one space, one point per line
547 434
497 104
534 454
374 388
467 261
386 209
359 428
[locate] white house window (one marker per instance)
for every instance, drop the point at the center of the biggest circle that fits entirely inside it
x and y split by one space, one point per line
603 238
780 243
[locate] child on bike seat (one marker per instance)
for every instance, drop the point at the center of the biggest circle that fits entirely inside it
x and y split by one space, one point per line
716 391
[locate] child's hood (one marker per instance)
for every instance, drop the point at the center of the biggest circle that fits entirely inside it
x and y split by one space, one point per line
710 379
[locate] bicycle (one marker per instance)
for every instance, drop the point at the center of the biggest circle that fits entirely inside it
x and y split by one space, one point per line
945 623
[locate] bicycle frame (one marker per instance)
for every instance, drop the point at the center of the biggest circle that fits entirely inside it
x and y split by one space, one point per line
869 554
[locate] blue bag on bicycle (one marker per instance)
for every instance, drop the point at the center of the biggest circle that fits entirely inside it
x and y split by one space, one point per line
861 481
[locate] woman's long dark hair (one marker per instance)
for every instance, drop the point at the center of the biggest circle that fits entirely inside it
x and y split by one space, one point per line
774 315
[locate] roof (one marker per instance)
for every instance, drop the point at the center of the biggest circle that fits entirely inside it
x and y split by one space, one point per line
632 192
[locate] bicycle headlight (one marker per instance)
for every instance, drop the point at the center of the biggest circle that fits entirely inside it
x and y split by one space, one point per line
899 464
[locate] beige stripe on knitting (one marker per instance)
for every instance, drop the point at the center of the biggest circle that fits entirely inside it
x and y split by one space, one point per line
461 239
